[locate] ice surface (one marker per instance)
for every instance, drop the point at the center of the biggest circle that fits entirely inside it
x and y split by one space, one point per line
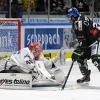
91 92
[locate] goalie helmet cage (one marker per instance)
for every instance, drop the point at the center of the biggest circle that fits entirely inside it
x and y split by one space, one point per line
10 34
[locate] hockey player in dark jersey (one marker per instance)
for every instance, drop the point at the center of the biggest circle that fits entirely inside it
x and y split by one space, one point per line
87 36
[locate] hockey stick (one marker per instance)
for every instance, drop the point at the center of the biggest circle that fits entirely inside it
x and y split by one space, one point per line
66 78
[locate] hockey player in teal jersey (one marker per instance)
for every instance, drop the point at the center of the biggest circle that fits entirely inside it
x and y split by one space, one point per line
87 36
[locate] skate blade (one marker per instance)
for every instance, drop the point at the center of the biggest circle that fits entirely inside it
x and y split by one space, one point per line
83 84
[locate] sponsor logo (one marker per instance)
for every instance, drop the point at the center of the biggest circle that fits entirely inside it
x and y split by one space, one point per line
5 81
21 81
14 82
50 38
8 40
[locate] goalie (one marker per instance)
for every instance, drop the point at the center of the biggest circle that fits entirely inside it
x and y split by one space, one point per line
24 61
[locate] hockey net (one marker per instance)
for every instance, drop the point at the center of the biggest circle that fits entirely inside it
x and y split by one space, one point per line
10 30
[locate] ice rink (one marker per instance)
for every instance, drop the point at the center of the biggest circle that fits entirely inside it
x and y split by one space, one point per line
71 91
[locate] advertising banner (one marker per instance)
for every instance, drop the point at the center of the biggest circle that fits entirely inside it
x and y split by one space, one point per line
51 36
9 34
15 81
44 20
8 40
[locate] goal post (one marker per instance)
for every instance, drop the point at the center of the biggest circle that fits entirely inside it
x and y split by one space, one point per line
10 35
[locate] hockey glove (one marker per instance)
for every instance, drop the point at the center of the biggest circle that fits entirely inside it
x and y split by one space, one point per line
76 54
96 59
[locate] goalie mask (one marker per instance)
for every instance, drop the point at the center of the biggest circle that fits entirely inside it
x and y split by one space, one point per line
35 48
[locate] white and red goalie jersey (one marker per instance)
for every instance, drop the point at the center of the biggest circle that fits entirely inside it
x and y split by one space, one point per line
26 59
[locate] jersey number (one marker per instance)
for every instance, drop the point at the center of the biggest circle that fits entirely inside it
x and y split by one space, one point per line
86 21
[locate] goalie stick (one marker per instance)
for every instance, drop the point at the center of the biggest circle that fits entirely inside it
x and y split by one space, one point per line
66 78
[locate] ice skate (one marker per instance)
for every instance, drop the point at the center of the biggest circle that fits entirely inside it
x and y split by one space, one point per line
85 79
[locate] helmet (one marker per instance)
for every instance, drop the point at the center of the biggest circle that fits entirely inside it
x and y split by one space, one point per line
34 46
73 12
36 49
